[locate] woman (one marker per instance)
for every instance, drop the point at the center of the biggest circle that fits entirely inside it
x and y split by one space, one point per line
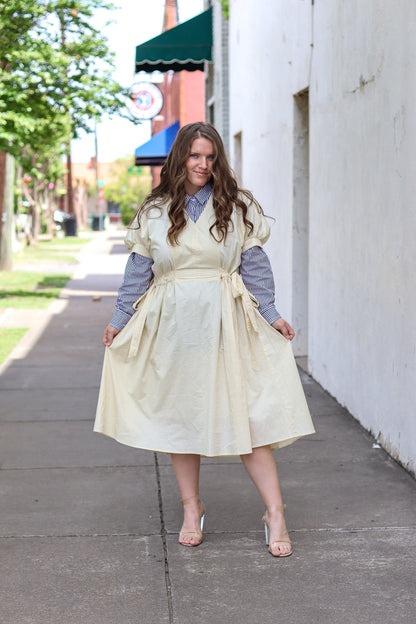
192 367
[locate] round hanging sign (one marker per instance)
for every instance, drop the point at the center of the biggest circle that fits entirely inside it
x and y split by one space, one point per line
145 100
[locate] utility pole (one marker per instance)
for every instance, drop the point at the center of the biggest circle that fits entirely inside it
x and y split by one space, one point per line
98 203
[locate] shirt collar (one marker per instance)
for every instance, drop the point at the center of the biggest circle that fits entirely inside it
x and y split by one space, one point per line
201 196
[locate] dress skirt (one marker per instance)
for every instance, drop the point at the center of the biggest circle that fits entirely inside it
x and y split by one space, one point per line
197 369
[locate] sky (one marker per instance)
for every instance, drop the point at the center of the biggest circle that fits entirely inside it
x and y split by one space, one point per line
135 21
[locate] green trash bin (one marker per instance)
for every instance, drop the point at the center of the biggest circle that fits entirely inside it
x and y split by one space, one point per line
95 222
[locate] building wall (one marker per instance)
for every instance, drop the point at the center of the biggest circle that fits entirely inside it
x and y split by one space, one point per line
192 97
269 61
363 95
334 167
217 76
183 101
183 92
85 172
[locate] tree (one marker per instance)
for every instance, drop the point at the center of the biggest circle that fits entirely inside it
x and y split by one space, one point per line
22 106
55 77
225 8
84 88
130 187
18 106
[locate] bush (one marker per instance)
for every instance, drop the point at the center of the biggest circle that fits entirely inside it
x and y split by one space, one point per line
129 187
127 214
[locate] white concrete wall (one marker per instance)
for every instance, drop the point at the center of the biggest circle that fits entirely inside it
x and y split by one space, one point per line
361 74
362 214
269 60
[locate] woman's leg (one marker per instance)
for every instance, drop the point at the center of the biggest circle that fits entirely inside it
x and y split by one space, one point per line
186 469
261 467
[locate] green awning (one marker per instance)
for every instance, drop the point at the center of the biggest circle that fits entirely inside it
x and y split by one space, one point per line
185 46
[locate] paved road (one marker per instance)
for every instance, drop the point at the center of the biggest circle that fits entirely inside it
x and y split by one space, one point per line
89 528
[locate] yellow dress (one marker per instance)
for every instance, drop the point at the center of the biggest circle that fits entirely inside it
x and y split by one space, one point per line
197 369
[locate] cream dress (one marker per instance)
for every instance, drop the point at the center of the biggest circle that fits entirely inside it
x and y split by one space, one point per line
197 369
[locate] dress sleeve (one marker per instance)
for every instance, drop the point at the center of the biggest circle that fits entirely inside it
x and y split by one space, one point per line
261 229
137 238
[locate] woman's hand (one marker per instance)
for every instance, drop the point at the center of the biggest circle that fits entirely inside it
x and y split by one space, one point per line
284 328
110 333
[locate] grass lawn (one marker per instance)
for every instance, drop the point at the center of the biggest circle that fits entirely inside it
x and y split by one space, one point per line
24 289
8 340
52 251
35 289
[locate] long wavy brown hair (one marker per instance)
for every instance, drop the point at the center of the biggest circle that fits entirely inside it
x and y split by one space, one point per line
225 191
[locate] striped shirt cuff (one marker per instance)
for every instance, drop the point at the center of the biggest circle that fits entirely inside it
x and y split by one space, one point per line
269 313
120 319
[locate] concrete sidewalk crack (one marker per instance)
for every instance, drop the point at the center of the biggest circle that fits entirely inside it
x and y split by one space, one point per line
381 529
163 534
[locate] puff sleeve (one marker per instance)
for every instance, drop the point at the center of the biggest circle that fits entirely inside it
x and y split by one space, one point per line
137 238
261 229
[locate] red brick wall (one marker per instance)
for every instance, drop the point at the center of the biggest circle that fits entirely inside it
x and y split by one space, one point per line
192 97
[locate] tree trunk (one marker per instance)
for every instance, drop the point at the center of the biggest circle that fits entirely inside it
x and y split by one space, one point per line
2 179
80 204
19 184
36 212
50 210
7 169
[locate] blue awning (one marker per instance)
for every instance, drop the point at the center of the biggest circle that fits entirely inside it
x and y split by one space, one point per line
155 151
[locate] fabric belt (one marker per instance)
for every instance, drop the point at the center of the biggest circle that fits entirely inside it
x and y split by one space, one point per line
238 290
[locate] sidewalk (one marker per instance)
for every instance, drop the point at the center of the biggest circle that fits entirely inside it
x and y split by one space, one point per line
89 527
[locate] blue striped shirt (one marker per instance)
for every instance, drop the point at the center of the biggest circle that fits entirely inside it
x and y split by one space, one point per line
255 271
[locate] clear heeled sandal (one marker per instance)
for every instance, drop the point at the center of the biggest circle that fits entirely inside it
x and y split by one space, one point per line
184 534
276 543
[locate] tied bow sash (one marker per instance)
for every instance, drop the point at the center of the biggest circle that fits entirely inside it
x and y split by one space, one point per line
249 302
